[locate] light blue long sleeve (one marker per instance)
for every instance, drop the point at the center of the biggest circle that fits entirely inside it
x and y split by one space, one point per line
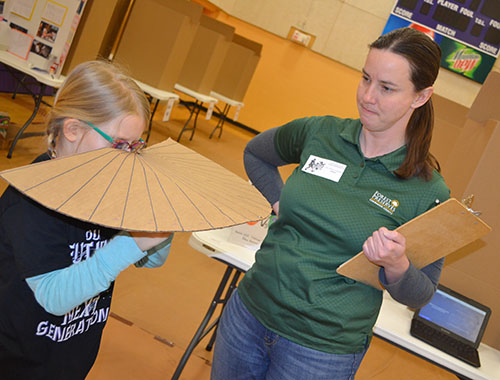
59 291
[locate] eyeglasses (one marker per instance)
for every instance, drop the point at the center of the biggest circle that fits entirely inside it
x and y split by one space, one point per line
134 146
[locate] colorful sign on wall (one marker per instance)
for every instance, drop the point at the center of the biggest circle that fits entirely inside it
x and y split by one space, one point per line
468 31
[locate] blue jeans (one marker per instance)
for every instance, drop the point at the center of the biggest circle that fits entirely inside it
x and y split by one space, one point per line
245 349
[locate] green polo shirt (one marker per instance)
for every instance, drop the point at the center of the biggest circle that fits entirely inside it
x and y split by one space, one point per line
329 206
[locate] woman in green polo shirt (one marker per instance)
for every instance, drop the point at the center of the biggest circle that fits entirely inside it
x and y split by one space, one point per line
357 180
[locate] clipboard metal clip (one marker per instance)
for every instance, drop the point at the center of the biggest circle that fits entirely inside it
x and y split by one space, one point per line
467 202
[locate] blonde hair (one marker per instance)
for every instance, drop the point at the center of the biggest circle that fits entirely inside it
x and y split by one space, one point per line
97 92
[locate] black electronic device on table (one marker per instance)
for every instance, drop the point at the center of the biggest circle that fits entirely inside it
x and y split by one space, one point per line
452 323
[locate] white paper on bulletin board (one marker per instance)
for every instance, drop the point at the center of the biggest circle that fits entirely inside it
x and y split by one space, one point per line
19 43
54 13
24 8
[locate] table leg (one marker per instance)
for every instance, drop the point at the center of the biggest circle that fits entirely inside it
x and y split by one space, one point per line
229 292
203 330
221 121
38 100
18 83
151 119
195 110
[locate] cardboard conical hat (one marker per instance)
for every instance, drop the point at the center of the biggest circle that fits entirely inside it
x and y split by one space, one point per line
165 187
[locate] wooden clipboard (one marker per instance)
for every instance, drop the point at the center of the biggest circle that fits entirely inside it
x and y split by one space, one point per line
429 237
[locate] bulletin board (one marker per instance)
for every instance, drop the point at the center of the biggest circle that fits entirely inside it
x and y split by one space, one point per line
41 31
468 31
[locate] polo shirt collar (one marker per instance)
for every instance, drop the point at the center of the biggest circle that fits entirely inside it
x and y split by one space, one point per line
392 161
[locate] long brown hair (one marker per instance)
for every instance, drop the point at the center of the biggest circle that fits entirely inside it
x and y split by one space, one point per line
424 57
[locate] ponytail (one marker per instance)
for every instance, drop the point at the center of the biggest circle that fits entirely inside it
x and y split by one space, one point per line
419 161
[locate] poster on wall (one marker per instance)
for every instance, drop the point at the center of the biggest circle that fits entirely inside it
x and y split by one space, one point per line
468 31
45 30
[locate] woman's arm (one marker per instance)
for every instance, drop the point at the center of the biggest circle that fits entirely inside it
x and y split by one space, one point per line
403 281
261 164
417 286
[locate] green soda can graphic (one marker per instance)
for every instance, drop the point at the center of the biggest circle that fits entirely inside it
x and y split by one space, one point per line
466 61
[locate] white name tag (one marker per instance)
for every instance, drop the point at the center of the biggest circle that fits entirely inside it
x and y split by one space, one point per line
322 167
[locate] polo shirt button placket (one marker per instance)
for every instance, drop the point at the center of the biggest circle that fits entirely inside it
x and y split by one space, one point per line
361 165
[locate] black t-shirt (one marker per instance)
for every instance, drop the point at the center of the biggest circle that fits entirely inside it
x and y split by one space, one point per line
35 344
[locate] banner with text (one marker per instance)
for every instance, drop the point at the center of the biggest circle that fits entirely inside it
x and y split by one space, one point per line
468 31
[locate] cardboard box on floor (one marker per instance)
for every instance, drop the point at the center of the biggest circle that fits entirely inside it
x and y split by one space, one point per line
207 53
157 39
238 68
97 29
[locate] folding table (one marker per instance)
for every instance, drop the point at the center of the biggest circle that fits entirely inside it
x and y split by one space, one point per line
19 69
223 115
238 260
195 108
159 95
392 325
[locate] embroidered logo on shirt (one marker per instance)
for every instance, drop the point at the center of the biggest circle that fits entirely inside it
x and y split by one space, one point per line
387 204
322 167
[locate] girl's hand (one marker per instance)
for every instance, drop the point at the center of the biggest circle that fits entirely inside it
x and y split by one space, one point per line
148 240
